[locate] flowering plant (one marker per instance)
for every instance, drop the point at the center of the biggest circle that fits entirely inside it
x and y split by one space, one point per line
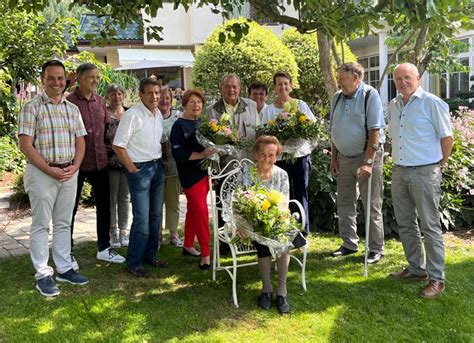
262 215
290 124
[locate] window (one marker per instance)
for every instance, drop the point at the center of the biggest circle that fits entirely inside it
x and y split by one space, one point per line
459 82
372 70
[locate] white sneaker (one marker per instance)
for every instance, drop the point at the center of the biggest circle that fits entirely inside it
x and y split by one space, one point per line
110 255
74 264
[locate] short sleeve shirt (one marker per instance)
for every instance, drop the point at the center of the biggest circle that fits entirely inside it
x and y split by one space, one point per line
54 127
417 128
348 131
141 133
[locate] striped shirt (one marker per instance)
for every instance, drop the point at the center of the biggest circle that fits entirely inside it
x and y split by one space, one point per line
54 127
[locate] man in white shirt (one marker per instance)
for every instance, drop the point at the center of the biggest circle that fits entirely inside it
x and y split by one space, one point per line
137 144
422 139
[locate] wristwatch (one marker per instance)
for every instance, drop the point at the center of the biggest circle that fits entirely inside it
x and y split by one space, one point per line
376 146
369 161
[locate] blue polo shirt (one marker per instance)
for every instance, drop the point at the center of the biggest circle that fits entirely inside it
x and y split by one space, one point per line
348 130
417 127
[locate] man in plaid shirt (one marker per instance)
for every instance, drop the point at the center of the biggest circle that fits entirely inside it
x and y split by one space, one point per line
51 135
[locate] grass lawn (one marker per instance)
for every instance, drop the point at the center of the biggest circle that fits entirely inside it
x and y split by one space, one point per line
182 303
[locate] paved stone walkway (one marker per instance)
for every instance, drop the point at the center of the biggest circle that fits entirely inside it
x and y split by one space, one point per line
14 233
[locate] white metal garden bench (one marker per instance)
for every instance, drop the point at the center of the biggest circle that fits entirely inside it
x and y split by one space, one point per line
221 202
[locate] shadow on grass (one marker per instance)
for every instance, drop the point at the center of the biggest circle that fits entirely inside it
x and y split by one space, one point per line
182 302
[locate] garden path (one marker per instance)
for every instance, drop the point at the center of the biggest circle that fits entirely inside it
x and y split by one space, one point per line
15 226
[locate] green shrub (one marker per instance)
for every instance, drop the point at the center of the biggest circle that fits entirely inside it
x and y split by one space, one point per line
19 198
12 159
458 180
454 104
322 184
9 108
258 56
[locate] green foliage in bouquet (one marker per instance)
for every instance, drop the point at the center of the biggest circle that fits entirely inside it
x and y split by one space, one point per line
290 124
266 211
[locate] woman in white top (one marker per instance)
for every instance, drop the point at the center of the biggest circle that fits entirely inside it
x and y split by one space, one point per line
172 188
299 170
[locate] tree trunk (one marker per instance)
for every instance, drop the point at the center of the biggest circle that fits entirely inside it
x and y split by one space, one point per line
415 56
336 55
324 46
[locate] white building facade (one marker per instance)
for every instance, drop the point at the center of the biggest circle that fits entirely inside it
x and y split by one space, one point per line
373 54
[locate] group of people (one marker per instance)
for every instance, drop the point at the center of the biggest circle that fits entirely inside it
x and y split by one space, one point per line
148 154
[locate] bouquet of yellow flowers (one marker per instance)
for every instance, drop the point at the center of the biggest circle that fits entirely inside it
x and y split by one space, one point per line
292 128
262 215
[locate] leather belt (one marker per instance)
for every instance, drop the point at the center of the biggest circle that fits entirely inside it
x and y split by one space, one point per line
414 167
60 165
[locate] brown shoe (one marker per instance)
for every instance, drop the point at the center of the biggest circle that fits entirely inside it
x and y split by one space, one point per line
405 274
433 289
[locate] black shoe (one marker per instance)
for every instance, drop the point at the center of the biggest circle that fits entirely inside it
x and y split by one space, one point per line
343 251
187 253
138 272
156 263
374 257
204 266
265 300
282 304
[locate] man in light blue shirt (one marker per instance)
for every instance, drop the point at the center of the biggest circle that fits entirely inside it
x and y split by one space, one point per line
421 143
357 133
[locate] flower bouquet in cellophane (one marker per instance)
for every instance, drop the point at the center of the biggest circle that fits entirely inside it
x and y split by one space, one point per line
262 215
219 135
293 129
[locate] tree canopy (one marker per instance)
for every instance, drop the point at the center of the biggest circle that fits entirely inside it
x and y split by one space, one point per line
424 28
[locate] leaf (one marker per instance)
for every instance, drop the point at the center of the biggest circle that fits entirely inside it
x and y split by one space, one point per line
222 37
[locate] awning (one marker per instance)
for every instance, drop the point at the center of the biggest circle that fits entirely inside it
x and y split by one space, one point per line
154 58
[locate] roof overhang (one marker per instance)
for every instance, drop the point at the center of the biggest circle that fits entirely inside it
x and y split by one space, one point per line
130 59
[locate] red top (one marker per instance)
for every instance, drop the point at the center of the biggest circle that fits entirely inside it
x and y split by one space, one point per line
94 116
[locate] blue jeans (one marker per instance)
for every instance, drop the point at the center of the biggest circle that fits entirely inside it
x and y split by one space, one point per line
146 192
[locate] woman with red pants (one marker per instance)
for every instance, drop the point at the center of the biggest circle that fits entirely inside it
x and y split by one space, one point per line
188 153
